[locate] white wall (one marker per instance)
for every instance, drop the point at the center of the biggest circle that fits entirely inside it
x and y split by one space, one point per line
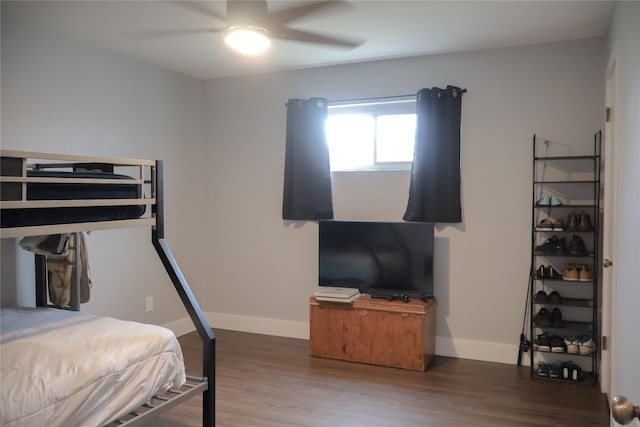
624 45
62 96
264 268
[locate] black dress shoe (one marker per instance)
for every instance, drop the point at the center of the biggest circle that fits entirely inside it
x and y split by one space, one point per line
556 318
541 297
561 247
555 298
577 247
543 318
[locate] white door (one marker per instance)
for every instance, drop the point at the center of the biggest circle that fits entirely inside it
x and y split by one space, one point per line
609 236
621 244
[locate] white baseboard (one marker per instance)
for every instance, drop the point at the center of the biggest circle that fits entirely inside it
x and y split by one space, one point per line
479 350
450 347
260 325
181 326
256 325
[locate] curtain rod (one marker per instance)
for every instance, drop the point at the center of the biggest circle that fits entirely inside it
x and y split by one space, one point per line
379 98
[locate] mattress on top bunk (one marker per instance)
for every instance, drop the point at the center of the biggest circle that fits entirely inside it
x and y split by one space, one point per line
64 368
73 191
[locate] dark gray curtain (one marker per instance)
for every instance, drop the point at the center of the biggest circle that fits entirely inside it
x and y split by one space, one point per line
434 193
307 175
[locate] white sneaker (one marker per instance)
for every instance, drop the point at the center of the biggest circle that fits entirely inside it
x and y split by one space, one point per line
586 345
572 345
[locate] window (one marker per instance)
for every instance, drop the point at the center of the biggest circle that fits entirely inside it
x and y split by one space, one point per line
372 135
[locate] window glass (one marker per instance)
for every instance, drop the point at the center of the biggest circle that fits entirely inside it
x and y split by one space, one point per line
371 135
395 137
351 139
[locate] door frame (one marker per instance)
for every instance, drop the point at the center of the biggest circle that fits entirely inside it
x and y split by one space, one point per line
610 234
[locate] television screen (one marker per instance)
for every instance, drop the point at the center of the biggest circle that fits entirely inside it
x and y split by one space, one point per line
379 258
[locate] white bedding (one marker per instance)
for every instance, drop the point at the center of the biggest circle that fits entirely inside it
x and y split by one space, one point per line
63 368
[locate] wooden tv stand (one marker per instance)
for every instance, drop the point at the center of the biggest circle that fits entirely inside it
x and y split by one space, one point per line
375 331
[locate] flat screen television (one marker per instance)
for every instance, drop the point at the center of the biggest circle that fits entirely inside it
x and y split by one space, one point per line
378 258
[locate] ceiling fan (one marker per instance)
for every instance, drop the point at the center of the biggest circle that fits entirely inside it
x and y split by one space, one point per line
251 21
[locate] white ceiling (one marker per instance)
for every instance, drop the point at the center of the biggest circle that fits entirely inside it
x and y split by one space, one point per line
391 29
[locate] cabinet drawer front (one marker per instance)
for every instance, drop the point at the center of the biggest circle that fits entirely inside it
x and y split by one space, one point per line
391 339
327 330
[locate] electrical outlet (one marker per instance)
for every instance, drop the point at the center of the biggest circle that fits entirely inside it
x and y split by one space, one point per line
149 304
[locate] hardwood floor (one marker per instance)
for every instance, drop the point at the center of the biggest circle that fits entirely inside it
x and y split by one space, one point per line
265 381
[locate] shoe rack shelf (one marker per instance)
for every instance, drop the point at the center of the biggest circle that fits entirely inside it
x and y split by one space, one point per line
569 302
569 325
589 255
565 261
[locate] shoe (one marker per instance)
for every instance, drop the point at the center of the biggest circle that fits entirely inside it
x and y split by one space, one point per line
554 201
571 344
545 225
545 201
556 318
554 370
553 246
584 223
548 245
543 370
568 370
577 374
548 272
577 247
561 247
557 344
543 318
558 225
542 343
555 298
585 345
552 273
572 222
585 273
541 297
570 273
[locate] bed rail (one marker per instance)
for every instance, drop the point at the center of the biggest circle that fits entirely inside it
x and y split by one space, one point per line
161 403
15 191
14 187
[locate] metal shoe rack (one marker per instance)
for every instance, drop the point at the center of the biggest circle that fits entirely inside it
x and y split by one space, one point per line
575 183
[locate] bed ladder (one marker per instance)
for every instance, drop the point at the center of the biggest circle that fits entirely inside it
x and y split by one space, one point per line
188 300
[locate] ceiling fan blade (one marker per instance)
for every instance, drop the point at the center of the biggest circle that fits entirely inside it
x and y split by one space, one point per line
291 14
160 34
247 12
198 7
286 33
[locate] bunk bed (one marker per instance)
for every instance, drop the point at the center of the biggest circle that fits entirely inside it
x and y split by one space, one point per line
48 194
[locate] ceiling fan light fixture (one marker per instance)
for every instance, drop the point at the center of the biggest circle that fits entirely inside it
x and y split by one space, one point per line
247 40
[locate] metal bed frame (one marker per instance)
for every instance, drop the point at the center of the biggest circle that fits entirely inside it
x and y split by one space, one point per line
150 174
